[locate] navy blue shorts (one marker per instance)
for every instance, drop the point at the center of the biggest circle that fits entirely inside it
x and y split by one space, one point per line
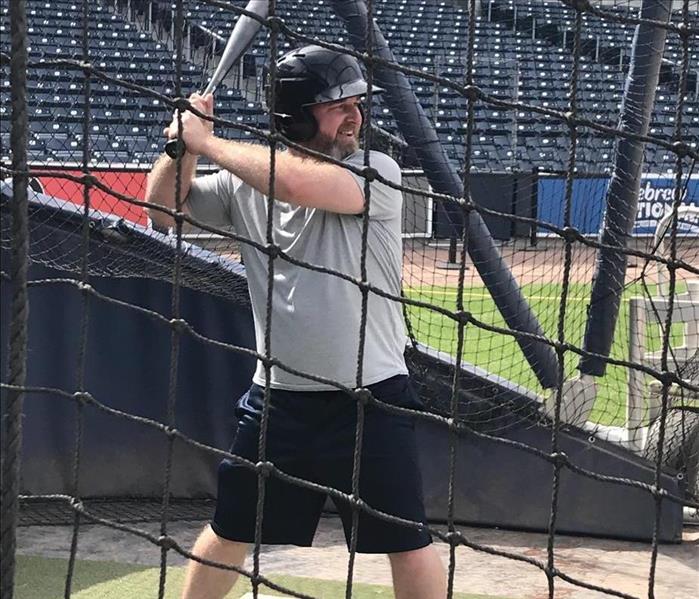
311 435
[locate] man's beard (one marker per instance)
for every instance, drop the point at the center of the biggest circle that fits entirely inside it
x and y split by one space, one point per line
338 147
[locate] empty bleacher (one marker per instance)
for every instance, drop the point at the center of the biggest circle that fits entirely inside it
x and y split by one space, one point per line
522 52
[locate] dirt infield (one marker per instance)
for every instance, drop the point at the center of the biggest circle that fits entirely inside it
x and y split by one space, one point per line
423 263
621 565
426 261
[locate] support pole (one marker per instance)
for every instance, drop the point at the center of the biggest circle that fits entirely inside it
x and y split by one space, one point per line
420 134
622 196
11 421
634 401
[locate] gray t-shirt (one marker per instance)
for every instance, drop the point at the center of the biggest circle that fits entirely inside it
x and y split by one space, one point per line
316 316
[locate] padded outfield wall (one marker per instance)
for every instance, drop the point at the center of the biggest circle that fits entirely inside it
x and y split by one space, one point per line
655 200
528 195
127 369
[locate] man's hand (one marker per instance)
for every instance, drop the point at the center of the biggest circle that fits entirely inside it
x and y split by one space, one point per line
196 131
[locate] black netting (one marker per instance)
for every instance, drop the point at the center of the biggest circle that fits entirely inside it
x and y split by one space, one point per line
550 273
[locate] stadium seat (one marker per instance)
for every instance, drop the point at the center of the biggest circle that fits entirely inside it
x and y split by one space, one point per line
427 35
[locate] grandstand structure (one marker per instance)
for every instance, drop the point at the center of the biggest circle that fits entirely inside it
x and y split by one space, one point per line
522 53
510 148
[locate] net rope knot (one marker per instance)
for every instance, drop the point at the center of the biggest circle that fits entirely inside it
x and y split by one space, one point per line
89 179
571 235
683 30
276 137
166 542
83 287
83 397
462 316
681 148
178 325
265 469
559 459
357 502
472 93
667 377
181 104
364 396
274 23
369 173
273 250
570 119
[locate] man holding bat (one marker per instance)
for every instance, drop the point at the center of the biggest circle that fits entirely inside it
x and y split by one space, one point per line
314 327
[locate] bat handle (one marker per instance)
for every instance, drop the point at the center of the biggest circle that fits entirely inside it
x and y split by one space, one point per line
175 148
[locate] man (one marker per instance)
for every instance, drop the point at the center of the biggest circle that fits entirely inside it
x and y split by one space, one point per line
314 327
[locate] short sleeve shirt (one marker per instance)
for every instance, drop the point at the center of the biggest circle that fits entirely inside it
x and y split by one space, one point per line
316 317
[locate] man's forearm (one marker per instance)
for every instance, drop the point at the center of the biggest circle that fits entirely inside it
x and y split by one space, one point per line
248 161
304 182
160 185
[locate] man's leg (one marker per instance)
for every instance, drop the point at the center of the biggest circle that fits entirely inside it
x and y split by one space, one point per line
206 582
418 574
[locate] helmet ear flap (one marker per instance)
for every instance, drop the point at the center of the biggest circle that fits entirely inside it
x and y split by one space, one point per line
294 121
298 127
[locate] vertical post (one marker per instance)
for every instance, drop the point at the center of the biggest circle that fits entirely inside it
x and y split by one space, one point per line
490 10
533 28
534 208
419 133
515 122
634 399
622 195
691 339
597 49
11 421
435 88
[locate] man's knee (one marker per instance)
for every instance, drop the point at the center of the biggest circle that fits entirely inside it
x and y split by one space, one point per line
209 540
415 557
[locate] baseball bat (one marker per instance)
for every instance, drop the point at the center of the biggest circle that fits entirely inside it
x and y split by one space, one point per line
241 37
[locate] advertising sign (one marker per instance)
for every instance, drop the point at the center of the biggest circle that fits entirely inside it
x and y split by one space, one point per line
655 199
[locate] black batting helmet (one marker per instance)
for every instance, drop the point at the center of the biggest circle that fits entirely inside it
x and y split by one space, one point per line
313 75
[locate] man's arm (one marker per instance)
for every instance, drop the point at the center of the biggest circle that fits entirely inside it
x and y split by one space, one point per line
298 180
160 183
160 186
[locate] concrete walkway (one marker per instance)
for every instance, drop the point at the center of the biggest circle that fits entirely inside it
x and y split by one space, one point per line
622 566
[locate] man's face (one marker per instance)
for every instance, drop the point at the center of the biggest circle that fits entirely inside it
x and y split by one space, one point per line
339 126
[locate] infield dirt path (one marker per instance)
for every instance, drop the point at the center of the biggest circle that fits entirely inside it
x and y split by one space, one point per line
622 566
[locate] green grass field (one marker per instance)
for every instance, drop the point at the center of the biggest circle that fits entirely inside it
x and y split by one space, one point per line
500 354
44 578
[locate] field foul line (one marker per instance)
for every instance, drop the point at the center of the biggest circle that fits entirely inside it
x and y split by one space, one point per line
488 296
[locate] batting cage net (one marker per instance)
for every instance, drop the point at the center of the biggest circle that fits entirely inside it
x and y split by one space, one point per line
550 221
